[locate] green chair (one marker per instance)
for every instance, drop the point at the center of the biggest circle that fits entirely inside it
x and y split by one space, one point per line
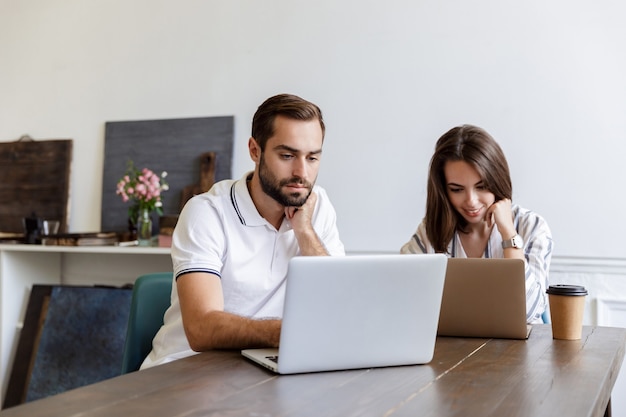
150 299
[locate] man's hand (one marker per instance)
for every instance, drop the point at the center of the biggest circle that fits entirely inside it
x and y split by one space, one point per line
300 219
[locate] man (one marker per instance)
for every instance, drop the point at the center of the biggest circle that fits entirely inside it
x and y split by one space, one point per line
232 244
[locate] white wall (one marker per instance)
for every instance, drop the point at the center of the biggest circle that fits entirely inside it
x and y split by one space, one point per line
547 79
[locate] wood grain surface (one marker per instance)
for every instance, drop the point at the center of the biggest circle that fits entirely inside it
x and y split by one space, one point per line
467 377
35 178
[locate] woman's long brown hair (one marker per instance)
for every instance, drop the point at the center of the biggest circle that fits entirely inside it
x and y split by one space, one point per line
476 147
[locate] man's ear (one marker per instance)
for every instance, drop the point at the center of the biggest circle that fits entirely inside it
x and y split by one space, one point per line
254 149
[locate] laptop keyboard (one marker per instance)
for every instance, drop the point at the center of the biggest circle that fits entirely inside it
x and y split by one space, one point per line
273 358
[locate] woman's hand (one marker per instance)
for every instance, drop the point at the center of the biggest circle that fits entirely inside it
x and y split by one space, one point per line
500 213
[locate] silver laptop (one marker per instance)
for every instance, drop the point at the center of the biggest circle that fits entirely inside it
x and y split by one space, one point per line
348 312
484 298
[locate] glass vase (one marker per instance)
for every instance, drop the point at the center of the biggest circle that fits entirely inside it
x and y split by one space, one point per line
144 228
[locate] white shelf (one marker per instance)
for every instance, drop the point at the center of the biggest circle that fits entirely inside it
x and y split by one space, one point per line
121 250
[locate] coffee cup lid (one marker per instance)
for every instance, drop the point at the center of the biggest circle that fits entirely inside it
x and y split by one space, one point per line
565 289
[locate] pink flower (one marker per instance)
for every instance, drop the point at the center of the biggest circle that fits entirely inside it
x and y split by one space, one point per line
143 188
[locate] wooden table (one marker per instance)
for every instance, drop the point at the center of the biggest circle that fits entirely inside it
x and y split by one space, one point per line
467 377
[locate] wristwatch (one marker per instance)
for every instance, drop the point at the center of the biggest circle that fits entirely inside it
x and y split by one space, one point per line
515 242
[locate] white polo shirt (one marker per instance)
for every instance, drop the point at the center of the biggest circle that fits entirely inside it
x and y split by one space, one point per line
222 233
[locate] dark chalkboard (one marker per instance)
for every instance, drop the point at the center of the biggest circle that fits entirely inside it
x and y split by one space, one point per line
172 145
72 336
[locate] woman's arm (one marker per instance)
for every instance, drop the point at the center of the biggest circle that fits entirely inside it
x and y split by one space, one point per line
537 255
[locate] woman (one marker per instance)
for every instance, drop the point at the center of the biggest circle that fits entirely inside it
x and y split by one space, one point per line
469 213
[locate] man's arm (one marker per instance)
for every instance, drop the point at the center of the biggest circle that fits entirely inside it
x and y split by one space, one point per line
207 326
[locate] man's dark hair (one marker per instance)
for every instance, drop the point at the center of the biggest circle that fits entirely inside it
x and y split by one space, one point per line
287 105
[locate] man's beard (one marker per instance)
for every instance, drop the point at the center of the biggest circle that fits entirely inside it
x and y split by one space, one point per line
272 187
